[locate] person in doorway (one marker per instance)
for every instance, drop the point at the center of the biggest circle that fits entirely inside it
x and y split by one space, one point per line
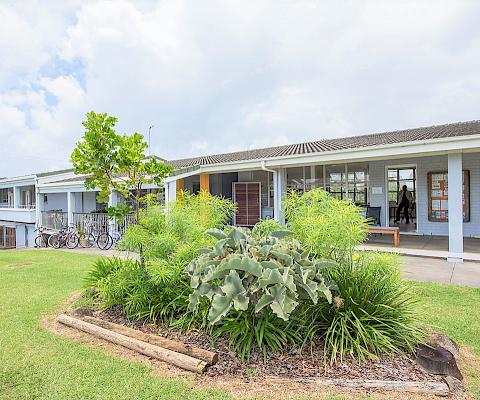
404 202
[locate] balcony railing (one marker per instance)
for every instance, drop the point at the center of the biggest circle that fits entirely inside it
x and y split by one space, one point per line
90 222
54 219
85 222
27 206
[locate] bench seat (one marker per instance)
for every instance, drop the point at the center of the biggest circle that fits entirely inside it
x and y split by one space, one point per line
388 230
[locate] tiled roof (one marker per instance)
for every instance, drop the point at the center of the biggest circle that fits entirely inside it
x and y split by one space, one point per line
371 140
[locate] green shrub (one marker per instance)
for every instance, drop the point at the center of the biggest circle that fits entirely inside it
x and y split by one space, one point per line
168 239
102 267
328 227
266 227
373 313
257 283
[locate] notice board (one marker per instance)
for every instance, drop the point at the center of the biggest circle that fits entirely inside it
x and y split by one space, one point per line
438 196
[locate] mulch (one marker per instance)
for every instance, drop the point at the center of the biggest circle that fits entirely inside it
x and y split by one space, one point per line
288 364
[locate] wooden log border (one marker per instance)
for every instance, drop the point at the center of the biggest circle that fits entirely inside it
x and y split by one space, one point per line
419 387
171 357
209 357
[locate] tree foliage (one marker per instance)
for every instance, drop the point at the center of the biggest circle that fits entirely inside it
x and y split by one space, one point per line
115 162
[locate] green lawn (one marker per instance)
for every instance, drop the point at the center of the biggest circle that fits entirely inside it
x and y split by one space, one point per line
35 364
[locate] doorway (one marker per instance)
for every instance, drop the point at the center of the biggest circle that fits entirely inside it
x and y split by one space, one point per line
246 195
397 178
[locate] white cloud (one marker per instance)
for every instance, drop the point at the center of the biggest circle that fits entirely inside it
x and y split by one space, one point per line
226 75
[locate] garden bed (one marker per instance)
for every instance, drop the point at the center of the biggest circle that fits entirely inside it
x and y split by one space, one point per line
294 364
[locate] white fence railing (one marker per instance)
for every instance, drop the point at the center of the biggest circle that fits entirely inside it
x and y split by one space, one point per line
85 222
54 219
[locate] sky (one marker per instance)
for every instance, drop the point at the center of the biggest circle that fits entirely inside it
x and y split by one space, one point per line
219 76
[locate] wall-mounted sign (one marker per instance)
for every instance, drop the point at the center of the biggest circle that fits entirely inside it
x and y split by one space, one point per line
438 196
377 190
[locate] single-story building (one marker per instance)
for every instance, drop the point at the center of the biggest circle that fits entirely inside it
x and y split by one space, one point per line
440 165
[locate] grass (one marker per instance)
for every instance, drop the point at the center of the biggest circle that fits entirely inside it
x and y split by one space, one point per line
35 364
455 310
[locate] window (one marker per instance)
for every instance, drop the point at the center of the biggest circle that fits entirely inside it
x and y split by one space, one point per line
397 178
348 182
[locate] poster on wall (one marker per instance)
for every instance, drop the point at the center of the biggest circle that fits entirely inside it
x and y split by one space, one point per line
438 196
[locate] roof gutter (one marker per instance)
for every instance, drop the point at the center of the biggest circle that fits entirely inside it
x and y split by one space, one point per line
264 167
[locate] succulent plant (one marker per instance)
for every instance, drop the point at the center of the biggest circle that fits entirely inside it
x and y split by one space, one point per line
240 271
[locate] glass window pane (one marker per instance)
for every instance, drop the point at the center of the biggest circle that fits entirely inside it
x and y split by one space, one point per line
406 174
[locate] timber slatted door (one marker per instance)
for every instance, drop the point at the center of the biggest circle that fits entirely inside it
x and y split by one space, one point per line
247 197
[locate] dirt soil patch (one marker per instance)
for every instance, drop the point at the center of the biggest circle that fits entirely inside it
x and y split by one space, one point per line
252 379
18 265
308 363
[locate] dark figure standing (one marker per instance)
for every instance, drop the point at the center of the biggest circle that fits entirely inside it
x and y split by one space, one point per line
404 201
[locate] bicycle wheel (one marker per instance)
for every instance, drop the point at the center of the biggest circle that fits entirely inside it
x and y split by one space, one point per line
86 241
40 241
104 241
55 241
72 241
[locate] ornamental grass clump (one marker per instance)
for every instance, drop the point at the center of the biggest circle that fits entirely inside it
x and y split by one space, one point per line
373 311
252 286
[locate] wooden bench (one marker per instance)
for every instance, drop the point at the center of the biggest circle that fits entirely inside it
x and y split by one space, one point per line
395 231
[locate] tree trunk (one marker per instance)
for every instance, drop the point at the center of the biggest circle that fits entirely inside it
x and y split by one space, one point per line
438 361
171 357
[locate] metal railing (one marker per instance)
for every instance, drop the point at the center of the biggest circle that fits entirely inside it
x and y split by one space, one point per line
54 219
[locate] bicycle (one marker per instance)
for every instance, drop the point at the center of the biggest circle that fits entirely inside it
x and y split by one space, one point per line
42 238
106 240
66 237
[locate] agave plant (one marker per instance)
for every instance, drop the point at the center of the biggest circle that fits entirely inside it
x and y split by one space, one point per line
240 271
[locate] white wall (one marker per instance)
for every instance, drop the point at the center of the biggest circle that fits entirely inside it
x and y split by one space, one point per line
56 201
425 165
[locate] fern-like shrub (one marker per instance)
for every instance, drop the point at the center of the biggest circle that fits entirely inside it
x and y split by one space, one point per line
266 227
257 283
168 238
328 227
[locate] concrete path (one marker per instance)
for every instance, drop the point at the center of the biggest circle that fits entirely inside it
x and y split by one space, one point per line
437 270
422 269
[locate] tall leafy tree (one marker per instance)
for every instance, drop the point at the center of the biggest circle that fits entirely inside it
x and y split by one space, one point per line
114 162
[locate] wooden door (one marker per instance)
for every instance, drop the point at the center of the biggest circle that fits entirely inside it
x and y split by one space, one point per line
247 197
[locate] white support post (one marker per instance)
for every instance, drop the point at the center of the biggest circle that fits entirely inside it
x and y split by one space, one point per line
16 197
38 207
313 178
112 202
70 208
279 189
455 208
171 191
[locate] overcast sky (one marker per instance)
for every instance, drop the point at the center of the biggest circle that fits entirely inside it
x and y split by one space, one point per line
217 76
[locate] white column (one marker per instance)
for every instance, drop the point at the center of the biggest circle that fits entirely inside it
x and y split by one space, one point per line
16 197
279 189
70 208
112 202
455 208
313 177
170 191
38 207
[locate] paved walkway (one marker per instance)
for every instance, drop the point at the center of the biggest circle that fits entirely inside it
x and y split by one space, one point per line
437 270
422 269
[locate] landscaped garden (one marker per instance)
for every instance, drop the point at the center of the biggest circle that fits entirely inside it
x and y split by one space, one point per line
35 363
273 302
